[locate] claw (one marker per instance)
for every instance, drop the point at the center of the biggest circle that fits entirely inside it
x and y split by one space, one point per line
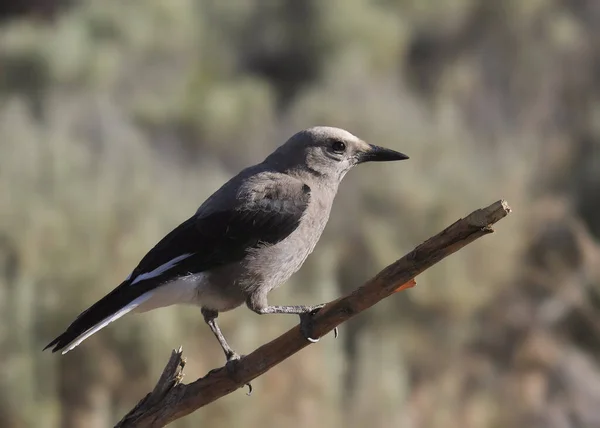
335 333
232 361
232 356
306 324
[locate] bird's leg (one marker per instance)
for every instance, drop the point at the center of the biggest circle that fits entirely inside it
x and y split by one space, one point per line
259 305
210 317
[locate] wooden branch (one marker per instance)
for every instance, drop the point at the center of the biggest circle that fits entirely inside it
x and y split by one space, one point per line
172 400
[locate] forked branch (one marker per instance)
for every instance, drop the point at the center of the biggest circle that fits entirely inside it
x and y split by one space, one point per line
171 399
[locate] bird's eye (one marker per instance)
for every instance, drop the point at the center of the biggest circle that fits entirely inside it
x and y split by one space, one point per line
338 147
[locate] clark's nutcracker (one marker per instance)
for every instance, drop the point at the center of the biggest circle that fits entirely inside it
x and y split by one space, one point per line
246 239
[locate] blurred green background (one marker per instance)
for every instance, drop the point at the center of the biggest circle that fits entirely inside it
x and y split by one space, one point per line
119 117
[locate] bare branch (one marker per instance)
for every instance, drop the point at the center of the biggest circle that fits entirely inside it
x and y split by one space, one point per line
172 400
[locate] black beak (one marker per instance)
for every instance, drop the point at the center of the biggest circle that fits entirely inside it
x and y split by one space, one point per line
380 154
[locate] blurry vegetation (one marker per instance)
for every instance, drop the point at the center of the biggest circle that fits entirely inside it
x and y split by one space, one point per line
118 117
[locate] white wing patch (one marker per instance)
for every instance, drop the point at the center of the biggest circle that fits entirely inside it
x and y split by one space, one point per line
106 321
161 269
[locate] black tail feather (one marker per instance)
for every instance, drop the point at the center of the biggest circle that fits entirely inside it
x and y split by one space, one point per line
102 309
60 342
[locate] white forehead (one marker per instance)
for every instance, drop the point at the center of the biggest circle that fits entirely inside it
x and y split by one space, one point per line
331 132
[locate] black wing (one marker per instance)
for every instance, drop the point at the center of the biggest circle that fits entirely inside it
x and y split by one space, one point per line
223 237
200 243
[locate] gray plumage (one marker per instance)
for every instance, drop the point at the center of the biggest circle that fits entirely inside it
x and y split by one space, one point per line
246 239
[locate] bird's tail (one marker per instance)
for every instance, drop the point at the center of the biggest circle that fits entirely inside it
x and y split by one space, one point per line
111 307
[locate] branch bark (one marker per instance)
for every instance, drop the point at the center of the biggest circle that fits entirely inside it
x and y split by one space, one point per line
171 399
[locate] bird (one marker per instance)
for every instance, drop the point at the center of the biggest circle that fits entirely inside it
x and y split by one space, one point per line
245 240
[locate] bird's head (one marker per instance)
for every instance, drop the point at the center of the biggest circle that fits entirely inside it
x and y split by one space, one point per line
328 153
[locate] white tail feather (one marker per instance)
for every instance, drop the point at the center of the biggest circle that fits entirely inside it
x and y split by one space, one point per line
106 321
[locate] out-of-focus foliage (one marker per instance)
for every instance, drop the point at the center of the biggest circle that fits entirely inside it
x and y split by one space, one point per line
118 117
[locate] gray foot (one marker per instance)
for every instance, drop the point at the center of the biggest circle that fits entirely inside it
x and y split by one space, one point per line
306 324
231 367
